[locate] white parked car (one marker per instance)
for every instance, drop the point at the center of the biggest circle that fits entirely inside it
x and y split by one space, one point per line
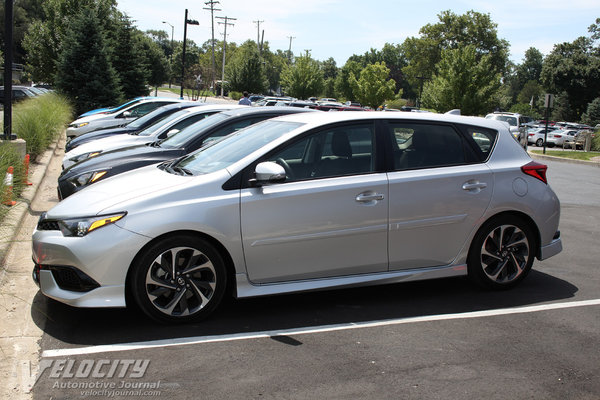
160 130
121 117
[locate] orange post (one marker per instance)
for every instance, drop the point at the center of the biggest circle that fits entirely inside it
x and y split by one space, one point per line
26 179
8 194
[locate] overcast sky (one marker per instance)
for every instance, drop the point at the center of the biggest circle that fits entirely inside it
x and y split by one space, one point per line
341 28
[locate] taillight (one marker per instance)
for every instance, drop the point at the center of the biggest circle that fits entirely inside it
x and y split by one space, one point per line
536 170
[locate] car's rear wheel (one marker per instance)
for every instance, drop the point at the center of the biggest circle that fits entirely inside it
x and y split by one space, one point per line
539 142
502 252
179 279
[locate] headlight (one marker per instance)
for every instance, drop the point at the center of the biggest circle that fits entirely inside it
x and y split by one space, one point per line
84 156
83 226
79 125
87 178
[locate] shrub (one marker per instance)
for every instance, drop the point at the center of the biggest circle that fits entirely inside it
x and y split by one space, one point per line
40 120
596 141
235 95
396 103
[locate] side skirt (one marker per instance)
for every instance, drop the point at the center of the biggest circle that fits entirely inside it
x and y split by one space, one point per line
245 288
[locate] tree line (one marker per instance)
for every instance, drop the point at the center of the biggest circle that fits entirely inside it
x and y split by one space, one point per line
92 52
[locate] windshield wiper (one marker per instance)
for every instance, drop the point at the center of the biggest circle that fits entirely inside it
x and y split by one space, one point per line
172 168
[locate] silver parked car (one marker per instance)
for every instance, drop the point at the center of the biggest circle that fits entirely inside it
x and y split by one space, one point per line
304 202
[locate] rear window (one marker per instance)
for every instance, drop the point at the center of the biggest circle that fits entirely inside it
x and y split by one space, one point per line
483 140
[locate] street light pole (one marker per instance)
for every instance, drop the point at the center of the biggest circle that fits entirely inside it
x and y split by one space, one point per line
172 50
8 61
186 21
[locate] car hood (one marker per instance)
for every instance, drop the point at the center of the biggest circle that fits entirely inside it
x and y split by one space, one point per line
95 199
108 144
120 156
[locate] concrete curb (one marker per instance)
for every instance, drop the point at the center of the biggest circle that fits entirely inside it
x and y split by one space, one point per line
11 224
565 160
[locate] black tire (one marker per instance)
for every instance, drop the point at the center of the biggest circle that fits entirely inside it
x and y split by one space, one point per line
502 253
186 290
539 142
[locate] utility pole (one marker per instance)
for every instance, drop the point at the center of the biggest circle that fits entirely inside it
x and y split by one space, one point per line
224 47
258 44
212 9
290 48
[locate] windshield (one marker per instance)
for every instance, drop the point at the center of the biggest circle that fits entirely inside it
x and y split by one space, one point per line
235 146
181 138
512 121
141 121
149 131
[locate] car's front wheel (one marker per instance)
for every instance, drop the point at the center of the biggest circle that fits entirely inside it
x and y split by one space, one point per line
179 279
502 252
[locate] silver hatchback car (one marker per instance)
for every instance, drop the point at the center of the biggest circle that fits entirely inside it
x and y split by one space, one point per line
304 202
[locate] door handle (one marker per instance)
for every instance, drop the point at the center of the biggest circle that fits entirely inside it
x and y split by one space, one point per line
369 197
474 186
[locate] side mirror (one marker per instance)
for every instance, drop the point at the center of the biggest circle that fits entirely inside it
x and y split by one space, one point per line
172 132
126 114
268 172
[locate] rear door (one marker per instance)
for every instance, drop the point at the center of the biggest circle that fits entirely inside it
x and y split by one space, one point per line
439 188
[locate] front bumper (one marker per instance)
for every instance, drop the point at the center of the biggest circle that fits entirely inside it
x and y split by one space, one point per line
551 249
87 271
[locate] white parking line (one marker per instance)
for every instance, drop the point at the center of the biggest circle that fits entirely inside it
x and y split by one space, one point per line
315 329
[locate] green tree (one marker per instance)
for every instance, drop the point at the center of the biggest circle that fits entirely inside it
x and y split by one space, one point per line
43 41
573 69
192 55
87 77
531 67
343 89
373 88
592 114
129 61
246 70
304 78
453 32
462 81
25 12
155 62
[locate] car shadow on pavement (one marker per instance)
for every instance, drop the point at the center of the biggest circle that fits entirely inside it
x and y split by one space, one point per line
66 326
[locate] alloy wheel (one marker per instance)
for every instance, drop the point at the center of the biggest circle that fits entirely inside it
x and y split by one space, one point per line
180 281
504 254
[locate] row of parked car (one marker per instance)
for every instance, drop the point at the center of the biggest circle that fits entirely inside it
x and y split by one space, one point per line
322 104
188 203
23 92
558 134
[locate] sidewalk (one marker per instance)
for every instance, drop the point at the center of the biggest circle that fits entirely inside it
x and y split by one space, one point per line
19 332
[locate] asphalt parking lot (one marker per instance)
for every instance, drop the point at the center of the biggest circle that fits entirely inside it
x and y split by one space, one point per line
443 339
